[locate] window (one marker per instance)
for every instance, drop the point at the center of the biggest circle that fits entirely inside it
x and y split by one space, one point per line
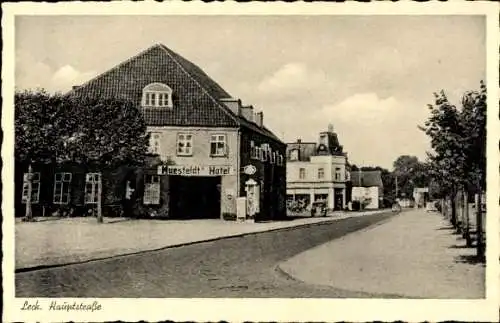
157 95
258 153
338 176
281 160
323 140
152 189
184 144
62 182
321 173
91 187
35 188
254 154
265 152
294 154
154 142
302 173
273 157
218 145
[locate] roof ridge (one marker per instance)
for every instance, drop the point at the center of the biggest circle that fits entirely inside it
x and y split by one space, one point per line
230 114
128 60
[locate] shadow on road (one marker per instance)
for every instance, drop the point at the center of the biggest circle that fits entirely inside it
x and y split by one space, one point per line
471 259
460 246
445 228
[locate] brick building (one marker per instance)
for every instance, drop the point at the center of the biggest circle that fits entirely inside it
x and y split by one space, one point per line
205 135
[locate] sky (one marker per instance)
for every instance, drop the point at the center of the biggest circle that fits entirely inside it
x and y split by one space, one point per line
371 77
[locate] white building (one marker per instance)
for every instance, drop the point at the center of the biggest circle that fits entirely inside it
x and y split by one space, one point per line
317 172
367 188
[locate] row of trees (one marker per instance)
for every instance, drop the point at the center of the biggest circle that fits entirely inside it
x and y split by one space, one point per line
94 133
457 164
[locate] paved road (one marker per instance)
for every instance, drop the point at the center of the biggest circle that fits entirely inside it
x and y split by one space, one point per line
234 267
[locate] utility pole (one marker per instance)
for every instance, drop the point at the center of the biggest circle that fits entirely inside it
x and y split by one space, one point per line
396 197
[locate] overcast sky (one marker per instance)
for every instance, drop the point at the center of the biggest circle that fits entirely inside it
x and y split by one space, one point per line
370 76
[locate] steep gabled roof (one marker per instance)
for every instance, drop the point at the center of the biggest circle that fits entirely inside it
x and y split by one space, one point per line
196 96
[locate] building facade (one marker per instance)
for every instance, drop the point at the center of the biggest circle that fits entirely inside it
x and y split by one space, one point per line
202 137
367 189
317 172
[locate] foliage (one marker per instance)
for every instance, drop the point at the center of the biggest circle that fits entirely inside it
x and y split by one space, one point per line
458 140
88 131
411 173
98 134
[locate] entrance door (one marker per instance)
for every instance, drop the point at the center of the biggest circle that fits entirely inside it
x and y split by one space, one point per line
195 197
338 199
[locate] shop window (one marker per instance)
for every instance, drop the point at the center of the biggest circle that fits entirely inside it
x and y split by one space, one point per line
62 188
35 188
184 144
302 173
92 187
157 95
152 189
154 142
321 173
218 146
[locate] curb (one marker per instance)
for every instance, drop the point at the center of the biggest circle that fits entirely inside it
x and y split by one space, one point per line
238 235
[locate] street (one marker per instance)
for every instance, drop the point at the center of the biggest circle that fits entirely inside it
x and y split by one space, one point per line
234 267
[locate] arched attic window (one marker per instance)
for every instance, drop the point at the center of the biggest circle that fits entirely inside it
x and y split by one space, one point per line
157 95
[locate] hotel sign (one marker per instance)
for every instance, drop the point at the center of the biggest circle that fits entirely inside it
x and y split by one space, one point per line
196 170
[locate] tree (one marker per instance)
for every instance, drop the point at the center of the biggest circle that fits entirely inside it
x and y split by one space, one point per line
99 134
38 123
409 173
458 140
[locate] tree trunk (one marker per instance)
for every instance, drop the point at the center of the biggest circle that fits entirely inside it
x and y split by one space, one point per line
29 213
453 218
99 199
467 220
479 225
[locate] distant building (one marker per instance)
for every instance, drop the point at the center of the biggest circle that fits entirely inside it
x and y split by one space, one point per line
317 171
367 188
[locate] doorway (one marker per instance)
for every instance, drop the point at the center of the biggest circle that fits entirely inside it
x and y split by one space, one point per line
338 199
195 197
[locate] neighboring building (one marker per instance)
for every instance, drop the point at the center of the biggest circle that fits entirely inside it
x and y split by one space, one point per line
317 171
367 188
420 196
206 136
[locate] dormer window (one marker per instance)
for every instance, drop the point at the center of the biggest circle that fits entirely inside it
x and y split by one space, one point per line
294 154
157 95
323 140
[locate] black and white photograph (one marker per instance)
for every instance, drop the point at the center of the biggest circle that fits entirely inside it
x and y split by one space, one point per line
220 158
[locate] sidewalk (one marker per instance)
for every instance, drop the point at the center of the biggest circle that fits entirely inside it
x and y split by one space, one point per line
52 241
415 254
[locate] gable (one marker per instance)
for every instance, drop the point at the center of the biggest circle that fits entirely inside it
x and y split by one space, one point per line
195 96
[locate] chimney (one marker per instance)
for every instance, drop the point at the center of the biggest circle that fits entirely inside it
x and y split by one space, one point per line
259 118
233 104
247 113
299 141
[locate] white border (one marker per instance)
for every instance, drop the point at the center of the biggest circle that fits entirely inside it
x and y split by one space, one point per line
261 309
